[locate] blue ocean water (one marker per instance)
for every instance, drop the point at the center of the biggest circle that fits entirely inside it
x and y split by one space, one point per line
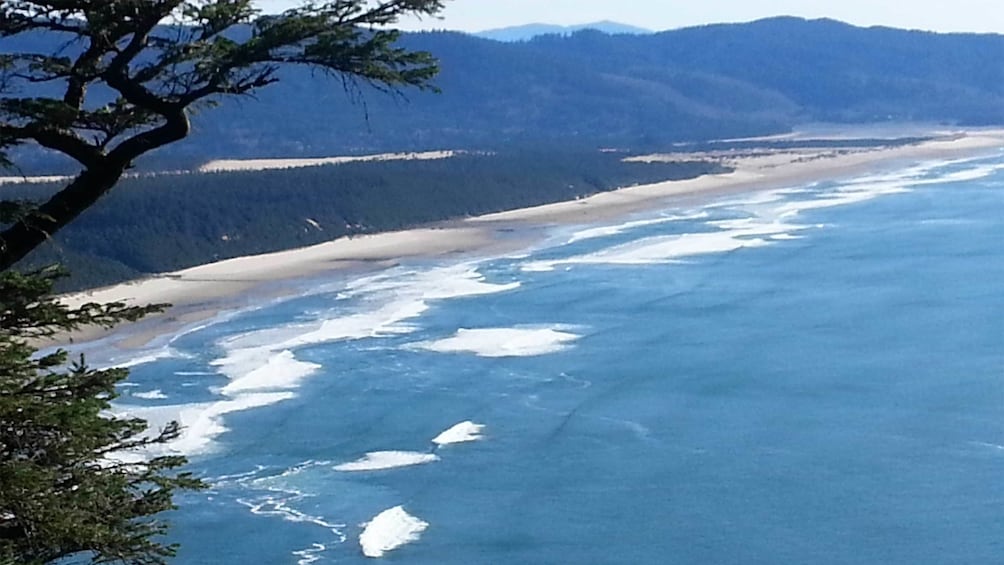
813 374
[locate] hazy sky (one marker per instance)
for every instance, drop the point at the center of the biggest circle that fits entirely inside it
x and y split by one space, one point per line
939 15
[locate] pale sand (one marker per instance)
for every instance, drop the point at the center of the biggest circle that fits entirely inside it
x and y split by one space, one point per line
199 292
233 276
270 164
34 180
229 165
202 292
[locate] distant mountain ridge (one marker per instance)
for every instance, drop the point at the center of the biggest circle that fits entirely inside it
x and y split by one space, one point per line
529 31
590 89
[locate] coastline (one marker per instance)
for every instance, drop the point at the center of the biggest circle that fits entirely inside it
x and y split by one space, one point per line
754 170
202 292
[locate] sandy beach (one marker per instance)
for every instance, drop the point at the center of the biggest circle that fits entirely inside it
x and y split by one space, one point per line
200 292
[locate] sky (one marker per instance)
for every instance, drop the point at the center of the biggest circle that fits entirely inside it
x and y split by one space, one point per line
935 15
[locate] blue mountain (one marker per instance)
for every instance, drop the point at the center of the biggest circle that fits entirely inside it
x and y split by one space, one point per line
529 31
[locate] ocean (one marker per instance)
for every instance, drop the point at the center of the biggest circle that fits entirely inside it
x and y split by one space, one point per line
813 374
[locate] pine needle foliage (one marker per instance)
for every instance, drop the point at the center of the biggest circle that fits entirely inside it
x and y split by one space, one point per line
72 479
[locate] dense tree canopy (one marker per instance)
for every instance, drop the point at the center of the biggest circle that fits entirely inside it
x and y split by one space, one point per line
128 74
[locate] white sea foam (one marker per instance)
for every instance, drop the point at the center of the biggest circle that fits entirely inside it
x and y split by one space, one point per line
390 530
872 186
279 506
202 426
917 175
606 231
383 460
843 195
502 342
971 174
540 266
259 377
310 555
280 371
461 433
282 498
383 321
754 198
731 235
770 218
262 365
201 422
236 478
994 446
386 302
146 358
453 281
264 359
155 394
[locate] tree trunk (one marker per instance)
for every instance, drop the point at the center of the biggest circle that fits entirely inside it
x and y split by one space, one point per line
34 229
22 238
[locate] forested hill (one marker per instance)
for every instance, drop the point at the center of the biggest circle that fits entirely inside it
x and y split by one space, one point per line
157 223
593 90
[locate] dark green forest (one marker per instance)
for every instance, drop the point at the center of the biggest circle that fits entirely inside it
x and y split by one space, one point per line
159 223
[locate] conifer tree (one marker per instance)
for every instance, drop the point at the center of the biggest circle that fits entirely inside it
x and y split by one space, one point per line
70 483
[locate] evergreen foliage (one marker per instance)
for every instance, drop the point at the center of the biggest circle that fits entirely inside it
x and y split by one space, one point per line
68 484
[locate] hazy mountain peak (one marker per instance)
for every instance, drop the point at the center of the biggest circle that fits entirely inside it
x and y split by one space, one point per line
529 31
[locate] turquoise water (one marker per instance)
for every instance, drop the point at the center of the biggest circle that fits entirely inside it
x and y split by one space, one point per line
807 375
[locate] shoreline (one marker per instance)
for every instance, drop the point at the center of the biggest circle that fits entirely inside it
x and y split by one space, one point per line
203 292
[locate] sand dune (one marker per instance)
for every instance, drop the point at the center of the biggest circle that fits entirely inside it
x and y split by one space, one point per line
271 164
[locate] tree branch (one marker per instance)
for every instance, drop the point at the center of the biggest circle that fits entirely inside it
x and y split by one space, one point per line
175 128
65 142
